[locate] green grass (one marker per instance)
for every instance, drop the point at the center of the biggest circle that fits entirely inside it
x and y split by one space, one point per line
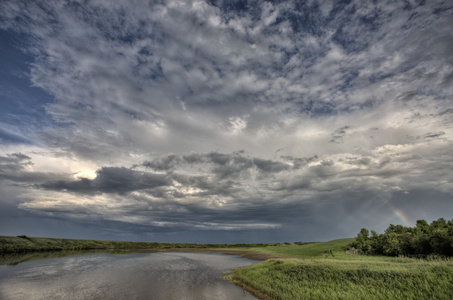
325 271
348 279
338 247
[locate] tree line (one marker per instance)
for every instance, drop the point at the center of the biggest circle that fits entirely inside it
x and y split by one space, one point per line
420 241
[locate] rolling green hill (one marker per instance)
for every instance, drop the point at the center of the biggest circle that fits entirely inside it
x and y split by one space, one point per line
320 249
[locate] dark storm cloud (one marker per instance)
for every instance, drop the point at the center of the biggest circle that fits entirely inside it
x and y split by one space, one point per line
204 218
118 180
13 170
222 165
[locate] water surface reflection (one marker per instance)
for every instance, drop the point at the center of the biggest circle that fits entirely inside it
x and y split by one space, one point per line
129 276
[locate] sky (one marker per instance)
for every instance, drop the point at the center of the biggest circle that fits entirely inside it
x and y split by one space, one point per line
224 121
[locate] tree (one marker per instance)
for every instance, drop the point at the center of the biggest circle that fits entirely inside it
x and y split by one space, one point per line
391 244
361 241
396 229
439 224
364 233
421 240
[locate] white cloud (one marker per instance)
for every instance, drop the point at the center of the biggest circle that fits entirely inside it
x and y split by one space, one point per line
366 87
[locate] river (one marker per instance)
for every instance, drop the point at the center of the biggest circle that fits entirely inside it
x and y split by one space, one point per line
165 275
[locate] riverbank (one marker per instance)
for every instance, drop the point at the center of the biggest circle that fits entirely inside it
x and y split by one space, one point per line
121 275
245 253
321 270
25 244
326 271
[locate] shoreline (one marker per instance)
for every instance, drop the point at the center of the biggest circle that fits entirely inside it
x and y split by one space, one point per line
255 292
249 254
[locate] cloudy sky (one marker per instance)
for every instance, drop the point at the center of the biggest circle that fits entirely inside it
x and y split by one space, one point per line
224 120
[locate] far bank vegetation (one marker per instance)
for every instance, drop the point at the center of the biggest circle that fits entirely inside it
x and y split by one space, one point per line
26 244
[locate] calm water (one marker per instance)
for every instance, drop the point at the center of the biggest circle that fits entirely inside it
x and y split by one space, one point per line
127 276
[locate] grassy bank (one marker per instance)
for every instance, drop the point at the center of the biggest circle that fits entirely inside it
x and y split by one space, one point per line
316 272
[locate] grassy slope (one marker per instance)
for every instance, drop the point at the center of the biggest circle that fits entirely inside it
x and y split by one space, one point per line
311 274
338 247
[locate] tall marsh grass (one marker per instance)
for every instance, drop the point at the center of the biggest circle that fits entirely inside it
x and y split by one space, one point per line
348 279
